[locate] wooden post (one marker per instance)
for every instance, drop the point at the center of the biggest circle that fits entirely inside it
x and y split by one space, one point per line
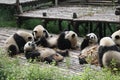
56 2
19 7
60 25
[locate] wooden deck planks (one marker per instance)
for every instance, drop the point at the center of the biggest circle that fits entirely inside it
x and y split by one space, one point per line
83 14
12 2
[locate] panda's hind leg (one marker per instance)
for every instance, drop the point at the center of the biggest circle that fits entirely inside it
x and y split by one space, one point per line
12 50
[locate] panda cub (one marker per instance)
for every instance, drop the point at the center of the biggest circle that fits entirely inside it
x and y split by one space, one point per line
67 40
39 31
42 54
89 50
15 43
116 37
89 40
108 51
43 38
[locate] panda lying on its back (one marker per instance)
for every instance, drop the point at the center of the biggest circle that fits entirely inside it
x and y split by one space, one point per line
108 52
15 43
67 40
42 54
89 50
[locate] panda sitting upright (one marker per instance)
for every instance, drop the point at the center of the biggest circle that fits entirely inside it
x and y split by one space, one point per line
89 40
15 43
67 40
109 53
43 38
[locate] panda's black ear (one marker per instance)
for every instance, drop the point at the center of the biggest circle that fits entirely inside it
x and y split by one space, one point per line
73 35
46 34
117 37
34 32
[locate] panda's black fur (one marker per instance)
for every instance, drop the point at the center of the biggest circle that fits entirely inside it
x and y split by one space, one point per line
32 54
12 50
43 42
85 43
20 42
63 43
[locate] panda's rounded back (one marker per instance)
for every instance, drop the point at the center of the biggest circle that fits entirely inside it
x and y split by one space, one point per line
10 41
107 41
72 37
25 35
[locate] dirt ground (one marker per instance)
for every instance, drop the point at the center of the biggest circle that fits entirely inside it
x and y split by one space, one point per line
70 63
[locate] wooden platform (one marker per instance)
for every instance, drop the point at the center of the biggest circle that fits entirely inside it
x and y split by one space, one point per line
12 2
104 14
84 14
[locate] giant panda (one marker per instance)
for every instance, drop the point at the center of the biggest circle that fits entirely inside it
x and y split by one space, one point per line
108 52
89 50
43 37
39 31
116 37
67 40
15 43
42 54
89 40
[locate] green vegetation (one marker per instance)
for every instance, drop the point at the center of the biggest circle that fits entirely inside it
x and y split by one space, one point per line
14 69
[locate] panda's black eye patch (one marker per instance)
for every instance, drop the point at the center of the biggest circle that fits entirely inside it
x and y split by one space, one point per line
44 31
29 44
35 31
117 37
73 35
29 38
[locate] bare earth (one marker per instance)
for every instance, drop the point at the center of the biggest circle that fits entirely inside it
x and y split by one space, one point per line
70 63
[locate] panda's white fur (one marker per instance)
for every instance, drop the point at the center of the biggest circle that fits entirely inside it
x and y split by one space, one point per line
107 52
89 40
93 37
43 54
67 40
106 41
15 43
52 41
116 37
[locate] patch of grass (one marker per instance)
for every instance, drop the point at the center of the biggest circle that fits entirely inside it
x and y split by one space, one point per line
13 69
